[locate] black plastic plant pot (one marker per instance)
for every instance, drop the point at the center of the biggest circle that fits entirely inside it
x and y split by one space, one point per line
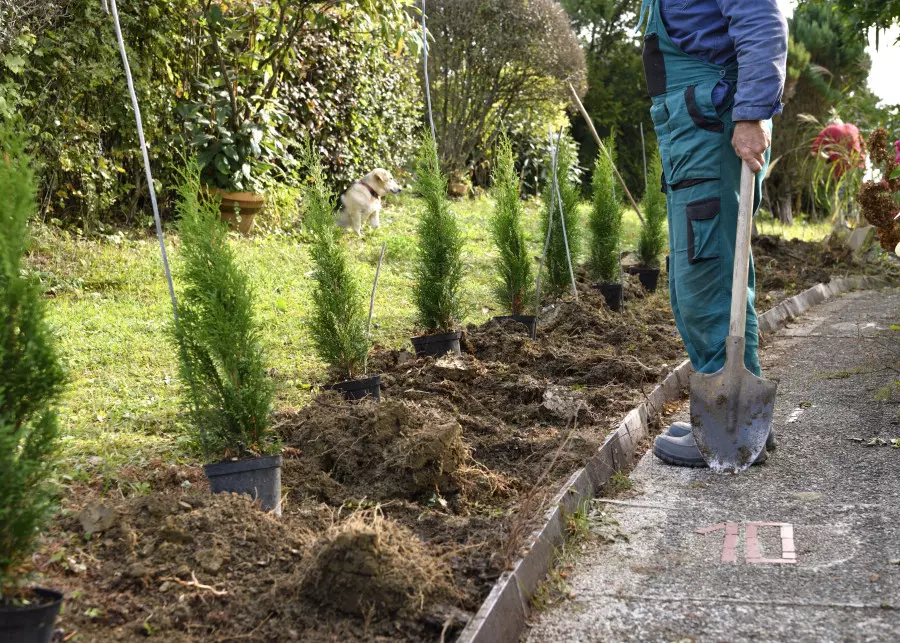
353 390
31 623
667 264
437 345
260 478
614 295
649 278
526 320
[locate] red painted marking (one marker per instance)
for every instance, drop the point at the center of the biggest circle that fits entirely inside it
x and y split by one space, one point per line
751 529
709 530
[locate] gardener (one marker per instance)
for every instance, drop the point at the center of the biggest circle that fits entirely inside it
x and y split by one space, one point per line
715 71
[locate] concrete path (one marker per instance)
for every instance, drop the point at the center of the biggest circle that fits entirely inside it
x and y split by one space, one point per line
837 575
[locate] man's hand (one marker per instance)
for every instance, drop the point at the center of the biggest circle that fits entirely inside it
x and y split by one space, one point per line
750 141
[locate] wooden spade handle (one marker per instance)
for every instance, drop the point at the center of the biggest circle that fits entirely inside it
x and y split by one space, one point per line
742 255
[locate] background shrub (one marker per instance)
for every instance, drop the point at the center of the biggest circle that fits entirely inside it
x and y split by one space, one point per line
32 376
439 266
558 276
222 363
605 221
514 263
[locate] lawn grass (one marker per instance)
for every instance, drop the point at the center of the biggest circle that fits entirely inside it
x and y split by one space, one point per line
108 300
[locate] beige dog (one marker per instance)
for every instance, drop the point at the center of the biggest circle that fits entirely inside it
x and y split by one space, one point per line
361 203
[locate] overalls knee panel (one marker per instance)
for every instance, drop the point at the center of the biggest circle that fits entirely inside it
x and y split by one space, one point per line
701 176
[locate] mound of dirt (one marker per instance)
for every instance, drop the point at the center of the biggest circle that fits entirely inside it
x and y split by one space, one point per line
393 449
191 566
368 562
784 268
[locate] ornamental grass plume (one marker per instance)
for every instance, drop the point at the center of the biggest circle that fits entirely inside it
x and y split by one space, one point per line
515 275
652 242
338 323
439 267
222 362
558 275
32 377
605 220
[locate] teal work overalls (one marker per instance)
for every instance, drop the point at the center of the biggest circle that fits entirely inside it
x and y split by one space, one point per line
701 178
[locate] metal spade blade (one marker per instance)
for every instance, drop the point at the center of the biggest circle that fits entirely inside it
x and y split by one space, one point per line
731 410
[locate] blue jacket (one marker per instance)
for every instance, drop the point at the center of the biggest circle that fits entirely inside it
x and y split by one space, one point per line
753 32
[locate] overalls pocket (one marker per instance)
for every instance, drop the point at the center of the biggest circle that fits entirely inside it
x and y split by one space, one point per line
695 133
703 229
659 114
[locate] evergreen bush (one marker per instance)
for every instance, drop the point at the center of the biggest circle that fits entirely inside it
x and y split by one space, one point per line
31 377
514 265
652 242
339 314
557 265
605 220
222 362
439 267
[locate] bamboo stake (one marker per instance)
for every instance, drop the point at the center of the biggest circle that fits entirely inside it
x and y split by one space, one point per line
537 295
590 125
374 288
644 154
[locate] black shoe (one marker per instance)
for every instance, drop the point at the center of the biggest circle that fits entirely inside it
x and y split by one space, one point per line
678 429
683 451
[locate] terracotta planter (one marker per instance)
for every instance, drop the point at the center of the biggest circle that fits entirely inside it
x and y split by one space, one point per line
244 204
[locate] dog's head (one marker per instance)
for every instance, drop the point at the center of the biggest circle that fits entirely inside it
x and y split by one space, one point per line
382 182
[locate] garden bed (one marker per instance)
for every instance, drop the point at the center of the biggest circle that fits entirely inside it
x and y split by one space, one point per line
398 516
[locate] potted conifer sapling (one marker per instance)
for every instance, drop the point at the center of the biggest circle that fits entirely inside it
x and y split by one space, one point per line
652 242
605 223
31 381
339 321
221 359
515 275
439 262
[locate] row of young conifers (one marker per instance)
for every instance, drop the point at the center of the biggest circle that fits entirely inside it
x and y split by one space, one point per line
227 392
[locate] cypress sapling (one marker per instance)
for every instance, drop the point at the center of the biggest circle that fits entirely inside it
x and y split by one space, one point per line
339 316
652 242
557 263
31 381
217 336
439 267
605 220
514 270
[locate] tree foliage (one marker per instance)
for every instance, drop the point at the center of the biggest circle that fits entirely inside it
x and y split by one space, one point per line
652 242
221 359
439 267
558 277
605 221
338 323
515 275
616 97
493 61
32 375
346 82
